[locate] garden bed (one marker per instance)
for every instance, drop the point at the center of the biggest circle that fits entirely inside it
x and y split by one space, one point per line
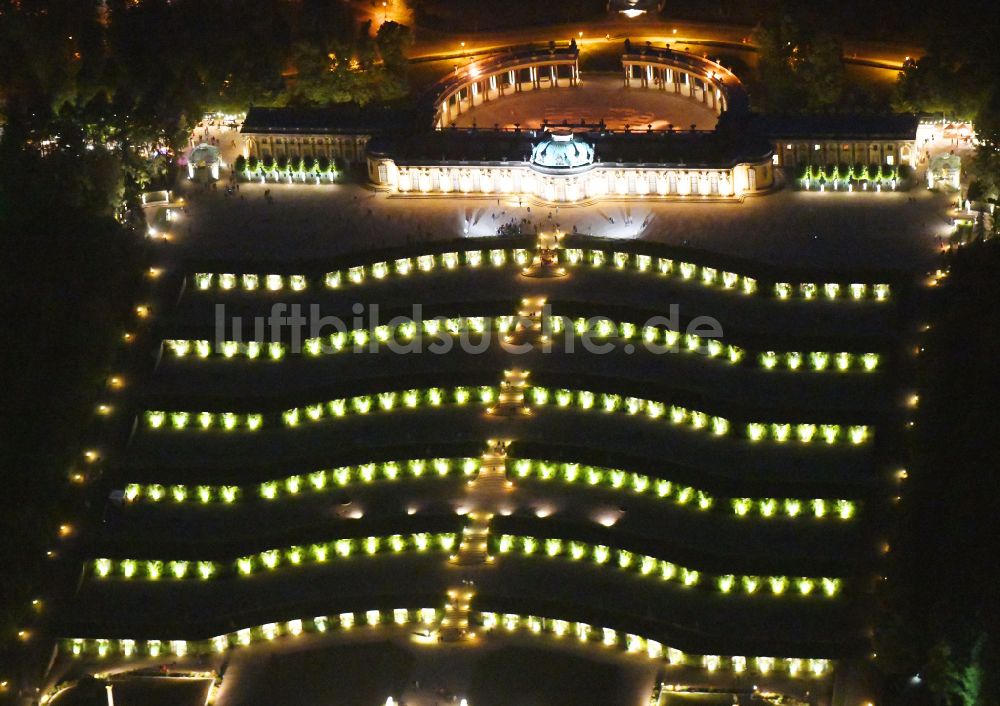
848 178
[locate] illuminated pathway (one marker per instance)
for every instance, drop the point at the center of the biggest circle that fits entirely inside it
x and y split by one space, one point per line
491 486
875 54
487 491
485 495
510 401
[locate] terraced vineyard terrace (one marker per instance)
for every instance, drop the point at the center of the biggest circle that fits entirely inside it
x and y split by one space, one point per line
567 457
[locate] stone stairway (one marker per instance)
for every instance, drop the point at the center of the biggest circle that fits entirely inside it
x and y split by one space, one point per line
528 328
491 481
484 493
510 401
455 623
485 496
473 550
545 262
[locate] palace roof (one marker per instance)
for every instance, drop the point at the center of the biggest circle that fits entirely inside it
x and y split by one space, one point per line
675 148
890 126
343 118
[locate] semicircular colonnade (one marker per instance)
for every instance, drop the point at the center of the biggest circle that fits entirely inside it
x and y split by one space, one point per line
701 79
498 75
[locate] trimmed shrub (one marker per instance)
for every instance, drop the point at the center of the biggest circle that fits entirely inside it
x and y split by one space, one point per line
841 174
240 164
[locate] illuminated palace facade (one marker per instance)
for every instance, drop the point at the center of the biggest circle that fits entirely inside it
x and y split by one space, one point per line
420 152
561 167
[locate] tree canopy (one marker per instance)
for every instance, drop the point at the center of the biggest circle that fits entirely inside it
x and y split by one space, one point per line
799 69
96 99
158 64
942 618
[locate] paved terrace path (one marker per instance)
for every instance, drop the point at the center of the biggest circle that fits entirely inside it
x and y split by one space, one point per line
840 230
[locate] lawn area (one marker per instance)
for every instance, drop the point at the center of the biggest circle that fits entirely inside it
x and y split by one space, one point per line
344 675
534 677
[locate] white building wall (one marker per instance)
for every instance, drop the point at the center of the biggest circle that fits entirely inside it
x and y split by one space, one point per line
599 182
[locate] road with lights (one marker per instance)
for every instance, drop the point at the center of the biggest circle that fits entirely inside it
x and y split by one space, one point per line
593 34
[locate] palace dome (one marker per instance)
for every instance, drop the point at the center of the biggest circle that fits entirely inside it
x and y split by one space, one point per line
561 151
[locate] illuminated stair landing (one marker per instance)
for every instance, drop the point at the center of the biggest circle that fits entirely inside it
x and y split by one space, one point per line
510 401
527 329
545 263
485 492
455 623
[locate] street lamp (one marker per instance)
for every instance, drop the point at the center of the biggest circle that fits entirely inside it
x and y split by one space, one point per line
385 10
